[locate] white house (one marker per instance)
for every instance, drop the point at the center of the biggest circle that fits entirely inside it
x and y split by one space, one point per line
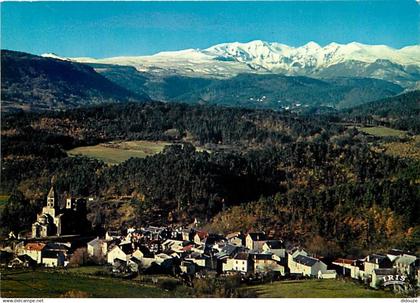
375 261
34 250
144 256
405 264
307 266
255 241
52 258
122 252
241 262
275 247
97 248
327 274
393 254
351 267
198 259
265 263
293 254
21 261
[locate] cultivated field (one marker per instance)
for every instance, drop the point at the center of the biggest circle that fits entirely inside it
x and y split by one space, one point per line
53 284
119 151
317 289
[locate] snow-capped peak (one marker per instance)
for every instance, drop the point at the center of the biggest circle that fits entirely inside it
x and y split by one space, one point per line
54 56
274 55
311 45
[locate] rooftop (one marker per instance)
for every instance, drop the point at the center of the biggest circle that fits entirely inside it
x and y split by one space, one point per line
257 236
406 260
49 254
385 271
305 260
376 258
344 261
275 244
262 257
242 256
35 246
202 234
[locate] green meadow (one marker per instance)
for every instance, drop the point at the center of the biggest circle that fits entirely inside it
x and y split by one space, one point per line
119 151
317 289
53 284
381 131
82 280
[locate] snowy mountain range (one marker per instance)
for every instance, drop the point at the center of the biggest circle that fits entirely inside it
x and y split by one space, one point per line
401 66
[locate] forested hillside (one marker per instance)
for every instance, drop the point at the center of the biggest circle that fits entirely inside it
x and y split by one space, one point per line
401 112
35 83
303 178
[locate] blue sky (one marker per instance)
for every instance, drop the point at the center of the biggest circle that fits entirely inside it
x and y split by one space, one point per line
104 29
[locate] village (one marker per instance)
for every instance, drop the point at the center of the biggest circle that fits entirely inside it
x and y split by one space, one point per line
189 252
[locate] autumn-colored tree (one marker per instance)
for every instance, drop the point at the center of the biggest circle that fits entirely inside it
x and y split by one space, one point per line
79 257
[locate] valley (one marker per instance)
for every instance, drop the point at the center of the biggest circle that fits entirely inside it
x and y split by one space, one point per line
254 169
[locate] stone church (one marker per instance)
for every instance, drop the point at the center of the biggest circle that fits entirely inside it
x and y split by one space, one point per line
56 221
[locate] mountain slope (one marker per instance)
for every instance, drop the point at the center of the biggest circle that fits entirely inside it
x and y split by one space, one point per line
33 82
393 107
252 90
402 111
401 66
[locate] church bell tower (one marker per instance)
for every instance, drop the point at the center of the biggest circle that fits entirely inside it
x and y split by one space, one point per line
51 198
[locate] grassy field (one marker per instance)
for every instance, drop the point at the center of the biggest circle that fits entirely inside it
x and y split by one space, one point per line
380 131
317 289
55 283
52 284
119 151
